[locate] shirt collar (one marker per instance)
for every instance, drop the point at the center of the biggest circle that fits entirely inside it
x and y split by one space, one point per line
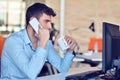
26 37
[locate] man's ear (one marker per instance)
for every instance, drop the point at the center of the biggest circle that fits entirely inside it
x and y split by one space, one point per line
31 17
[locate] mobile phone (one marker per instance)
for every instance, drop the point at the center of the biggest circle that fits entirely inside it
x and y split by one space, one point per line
62 43
35 24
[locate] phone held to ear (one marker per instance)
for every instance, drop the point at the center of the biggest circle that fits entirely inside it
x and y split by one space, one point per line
35 24
62 43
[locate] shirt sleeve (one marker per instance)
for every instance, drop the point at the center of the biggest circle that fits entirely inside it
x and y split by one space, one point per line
29 66
62 64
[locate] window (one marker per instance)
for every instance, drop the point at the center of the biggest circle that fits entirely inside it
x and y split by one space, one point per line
12 15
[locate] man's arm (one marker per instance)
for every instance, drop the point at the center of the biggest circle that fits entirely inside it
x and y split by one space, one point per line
29 66
62 64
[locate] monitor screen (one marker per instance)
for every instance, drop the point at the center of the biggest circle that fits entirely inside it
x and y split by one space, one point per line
111 45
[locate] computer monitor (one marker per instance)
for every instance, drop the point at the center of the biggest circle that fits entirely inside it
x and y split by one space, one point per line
111 45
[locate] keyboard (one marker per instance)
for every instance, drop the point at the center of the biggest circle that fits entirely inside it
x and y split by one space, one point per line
84 76
104 77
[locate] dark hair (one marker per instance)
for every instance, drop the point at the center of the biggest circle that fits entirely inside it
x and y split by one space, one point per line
37 9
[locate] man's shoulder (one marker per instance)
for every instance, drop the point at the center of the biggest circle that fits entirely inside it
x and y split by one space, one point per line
16 36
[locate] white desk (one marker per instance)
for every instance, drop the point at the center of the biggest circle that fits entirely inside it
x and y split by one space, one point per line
93 57
70 72
53 77
81 70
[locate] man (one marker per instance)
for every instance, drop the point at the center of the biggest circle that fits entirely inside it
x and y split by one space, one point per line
25 52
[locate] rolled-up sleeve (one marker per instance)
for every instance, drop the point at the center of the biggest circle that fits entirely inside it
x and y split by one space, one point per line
62 64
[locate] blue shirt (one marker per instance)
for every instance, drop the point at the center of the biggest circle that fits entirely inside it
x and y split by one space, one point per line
20 60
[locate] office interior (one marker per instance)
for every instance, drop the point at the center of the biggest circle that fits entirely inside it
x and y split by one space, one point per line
74 18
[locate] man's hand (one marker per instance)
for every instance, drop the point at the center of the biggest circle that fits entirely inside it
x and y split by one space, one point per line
71 42
43 35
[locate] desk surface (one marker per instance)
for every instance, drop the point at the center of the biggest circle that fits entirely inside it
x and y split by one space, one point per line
94 57
53 77
70 72
81 70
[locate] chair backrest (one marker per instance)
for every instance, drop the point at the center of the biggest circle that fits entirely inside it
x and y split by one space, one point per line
92 43
99 40
2 40
48 69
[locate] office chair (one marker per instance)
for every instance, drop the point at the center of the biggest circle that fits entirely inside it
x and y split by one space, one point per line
2 40
48 69
99 40
92 42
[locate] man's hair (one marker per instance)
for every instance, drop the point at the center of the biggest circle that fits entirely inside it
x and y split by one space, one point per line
37 9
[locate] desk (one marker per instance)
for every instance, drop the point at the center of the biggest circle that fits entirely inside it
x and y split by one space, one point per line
93 57
76 70
53 77
81 70
70 72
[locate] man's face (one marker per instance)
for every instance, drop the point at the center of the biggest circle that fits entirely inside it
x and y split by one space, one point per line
45 21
